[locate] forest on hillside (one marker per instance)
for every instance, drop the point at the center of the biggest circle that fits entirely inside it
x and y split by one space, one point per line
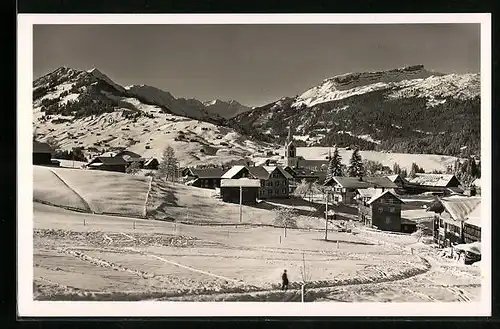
409 125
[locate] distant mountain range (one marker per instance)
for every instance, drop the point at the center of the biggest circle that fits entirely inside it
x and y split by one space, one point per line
407 109
95 84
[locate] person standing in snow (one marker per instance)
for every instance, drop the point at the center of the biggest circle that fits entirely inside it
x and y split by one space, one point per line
284 278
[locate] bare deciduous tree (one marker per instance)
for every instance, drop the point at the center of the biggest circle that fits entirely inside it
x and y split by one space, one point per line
286 218
134 168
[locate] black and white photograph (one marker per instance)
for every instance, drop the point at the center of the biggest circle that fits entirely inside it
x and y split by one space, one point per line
330 165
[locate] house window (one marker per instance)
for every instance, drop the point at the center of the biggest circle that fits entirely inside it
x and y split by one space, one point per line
388 220
269 183
380 209
284 191
262 183
270 192
276 192
336 198
392 209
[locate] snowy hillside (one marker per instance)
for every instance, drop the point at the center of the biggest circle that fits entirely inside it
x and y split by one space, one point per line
408 110
87 109
189 108
429 162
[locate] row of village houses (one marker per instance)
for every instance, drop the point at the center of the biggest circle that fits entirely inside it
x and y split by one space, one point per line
377 198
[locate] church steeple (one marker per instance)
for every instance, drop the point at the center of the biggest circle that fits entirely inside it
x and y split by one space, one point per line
290 136
290 150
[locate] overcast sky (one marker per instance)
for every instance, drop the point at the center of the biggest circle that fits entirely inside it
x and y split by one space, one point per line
254 64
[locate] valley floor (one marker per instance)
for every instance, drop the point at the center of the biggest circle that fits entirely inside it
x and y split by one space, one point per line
82 256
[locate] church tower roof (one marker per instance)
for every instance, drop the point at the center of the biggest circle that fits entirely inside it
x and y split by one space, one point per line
290 136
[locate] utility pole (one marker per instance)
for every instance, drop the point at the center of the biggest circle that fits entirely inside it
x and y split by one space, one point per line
241 201
326 216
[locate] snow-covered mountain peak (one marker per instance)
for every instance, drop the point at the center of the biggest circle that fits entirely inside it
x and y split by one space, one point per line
415 76
226 109
99 75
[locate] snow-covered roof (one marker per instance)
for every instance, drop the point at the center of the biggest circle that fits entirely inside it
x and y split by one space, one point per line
379 195
437 180
233 171
258 172
270 169
368 192
244 182
474 247
461 208
366 182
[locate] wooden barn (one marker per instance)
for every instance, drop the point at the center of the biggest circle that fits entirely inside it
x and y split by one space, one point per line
459 221
205 178
232 189
382 211
117 164
42 154
439 184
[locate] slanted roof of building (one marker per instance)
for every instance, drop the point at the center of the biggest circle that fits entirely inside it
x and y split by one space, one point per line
208 172
477 182
39 147
474 217
148 161
232 172
128 153
109 154
110 160
367 192
243 182
380 194
436 180
380 182
455 190
461 208
393 178
365 182
271 169
407 221
128 158
259 172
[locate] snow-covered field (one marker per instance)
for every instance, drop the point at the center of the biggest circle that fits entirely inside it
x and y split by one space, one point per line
429 162
86 256
118 258
94 191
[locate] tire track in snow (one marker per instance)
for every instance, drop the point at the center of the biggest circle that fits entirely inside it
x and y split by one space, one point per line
196 270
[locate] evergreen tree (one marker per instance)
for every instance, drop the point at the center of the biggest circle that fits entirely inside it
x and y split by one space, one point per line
169 164
415 169
335 165
396 169
356 168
